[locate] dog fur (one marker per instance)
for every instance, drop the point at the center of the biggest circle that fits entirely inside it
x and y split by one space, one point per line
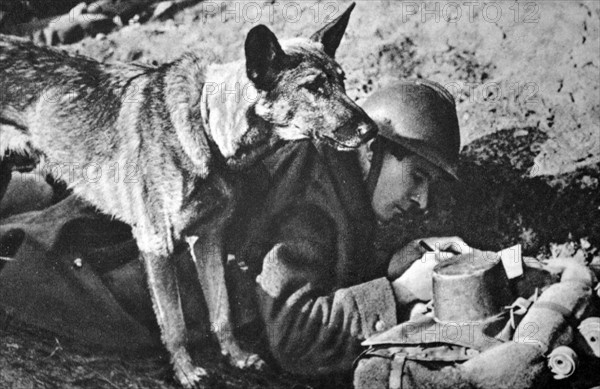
178 143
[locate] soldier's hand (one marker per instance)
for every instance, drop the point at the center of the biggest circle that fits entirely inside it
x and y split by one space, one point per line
418 278
406 256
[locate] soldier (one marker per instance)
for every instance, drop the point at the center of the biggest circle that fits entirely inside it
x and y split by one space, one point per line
315 329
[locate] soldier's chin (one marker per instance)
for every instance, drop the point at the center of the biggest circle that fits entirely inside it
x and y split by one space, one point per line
397 232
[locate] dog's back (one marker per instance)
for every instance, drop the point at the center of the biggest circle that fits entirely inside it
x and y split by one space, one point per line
104 129
56 99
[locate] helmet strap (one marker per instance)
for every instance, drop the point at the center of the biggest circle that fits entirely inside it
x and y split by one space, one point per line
378 149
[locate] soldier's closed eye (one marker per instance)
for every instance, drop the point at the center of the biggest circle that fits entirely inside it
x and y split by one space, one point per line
421 176
417 178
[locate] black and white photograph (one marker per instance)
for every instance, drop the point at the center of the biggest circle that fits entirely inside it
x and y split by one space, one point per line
303 194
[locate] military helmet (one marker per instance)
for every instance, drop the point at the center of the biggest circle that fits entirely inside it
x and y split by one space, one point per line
419 115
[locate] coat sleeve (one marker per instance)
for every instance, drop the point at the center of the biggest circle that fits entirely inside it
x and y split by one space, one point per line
311 329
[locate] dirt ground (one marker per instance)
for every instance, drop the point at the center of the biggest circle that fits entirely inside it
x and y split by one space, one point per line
32 359
525 78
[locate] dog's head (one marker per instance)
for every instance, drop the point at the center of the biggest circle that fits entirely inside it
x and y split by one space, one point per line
301 92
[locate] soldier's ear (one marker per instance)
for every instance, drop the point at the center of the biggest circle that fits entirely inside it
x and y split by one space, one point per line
264 57
331 35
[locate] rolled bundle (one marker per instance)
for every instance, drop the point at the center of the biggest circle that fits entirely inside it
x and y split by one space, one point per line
508 366
590 331
546 325
562 362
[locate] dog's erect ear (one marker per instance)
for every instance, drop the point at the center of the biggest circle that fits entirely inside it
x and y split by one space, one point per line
264 57
331 35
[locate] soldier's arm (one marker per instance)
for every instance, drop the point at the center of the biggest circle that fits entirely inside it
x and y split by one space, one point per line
313 329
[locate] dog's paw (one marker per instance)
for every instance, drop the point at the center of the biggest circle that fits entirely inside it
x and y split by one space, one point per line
242 359
189 376
250 361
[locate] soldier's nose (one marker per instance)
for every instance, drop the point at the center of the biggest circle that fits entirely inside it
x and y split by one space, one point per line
421 197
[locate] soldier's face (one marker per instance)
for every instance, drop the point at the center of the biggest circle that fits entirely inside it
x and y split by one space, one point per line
403 186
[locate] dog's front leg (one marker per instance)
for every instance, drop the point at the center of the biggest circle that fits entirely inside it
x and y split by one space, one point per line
162 282
208 255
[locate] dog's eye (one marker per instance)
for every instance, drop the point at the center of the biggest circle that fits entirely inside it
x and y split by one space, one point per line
316 86
341 75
